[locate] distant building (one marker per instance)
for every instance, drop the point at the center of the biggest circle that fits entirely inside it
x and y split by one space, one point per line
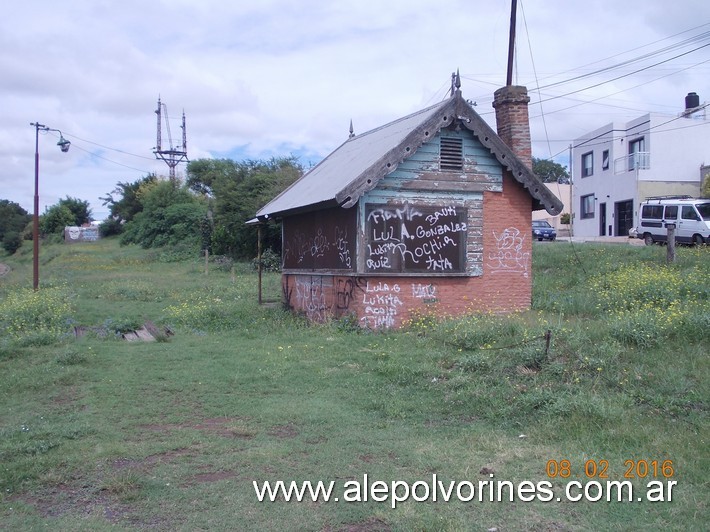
563 192
619 165
430 213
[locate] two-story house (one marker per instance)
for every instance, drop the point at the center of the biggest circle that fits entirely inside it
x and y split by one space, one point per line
617 166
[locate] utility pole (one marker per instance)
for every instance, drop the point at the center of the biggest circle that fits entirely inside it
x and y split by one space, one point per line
511 42
173 155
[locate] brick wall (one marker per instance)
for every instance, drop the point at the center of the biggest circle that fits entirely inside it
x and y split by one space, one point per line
389 301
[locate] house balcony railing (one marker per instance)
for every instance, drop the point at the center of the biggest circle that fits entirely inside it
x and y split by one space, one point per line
640 160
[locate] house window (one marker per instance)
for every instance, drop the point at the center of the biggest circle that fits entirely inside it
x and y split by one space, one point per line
415 238
587 206
588 164
605 160
451 153
637 154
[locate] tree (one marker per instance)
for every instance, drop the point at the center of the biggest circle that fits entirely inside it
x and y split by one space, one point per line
125 208
202 174
13 220
171 214
79 208
549 171
705 189
68 211
237 190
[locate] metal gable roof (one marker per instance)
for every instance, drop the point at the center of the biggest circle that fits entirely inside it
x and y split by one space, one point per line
358 164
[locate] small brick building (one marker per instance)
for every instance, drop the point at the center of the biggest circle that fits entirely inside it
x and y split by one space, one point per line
430 213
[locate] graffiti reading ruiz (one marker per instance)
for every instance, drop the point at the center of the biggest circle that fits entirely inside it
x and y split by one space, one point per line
415 238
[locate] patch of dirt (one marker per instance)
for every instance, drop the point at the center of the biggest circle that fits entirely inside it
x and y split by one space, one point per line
151 460
81 498
371 524
214 476
227 427
65 397
4 269
283 432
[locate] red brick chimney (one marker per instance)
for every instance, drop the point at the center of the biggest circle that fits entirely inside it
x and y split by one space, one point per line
511 105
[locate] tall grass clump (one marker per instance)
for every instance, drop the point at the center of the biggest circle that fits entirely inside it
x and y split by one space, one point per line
39 317
215 309
648 305
474 331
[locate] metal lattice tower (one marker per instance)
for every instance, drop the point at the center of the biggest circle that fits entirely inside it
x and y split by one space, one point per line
175 154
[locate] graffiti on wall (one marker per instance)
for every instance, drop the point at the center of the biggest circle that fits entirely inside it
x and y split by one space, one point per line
74 234
425 292
403 238
510 254
311 295
343 246
381 303
378 304
324 240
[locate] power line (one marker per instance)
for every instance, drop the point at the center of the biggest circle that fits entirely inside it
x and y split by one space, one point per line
625 75
703 36
92 154
110 160
110 148
585 102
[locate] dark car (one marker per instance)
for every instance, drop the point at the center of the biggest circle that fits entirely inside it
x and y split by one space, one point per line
542 230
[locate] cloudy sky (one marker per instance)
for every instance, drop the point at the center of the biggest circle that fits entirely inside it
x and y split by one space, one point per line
281 77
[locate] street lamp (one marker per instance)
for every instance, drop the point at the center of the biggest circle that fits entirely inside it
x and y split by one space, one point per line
64 146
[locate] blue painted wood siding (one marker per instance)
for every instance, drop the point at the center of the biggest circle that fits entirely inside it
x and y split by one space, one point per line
420 171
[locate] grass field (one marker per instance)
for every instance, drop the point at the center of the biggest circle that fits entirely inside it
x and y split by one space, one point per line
99 433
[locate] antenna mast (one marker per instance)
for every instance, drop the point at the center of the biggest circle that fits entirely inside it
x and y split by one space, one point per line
511 42
174 155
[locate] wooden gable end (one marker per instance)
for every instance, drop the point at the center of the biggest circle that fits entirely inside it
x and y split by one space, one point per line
452 161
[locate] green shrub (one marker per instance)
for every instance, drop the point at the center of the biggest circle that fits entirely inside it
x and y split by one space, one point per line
36 316
11 242
270 261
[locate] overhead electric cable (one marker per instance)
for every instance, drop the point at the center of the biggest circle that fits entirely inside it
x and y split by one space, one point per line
626 75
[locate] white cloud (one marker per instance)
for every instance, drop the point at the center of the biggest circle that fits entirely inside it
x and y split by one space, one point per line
262 77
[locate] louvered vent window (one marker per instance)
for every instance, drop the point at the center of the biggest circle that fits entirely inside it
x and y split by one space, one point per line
451 153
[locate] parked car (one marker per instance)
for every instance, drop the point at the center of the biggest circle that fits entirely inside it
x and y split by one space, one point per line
691 216
542 230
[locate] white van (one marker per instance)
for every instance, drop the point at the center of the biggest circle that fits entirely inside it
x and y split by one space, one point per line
691 216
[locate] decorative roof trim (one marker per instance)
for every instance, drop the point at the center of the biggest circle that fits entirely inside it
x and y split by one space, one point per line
350 195
455 109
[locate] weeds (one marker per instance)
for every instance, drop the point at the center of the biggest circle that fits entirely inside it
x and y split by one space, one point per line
35 317
175 433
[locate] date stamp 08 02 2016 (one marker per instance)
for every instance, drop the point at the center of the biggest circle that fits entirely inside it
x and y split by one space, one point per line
633 469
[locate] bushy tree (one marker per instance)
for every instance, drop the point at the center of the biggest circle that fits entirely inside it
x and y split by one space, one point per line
79 208
55 219
68 211
13 220
124 204
11 242
550 171
171 214
237 190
